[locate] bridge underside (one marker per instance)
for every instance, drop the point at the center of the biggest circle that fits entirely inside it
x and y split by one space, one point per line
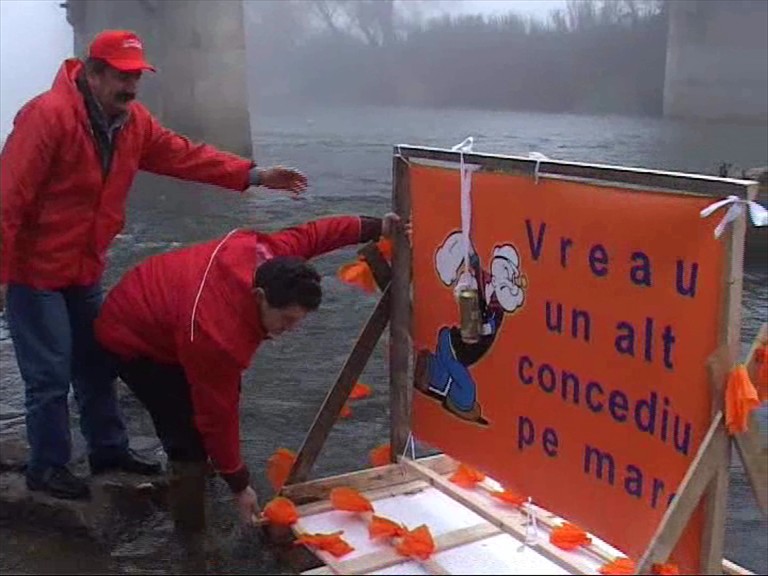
716 60
198 48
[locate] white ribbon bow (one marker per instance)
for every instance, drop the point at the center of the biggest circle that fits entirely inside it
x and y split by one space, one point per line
465 174
757 213
538 156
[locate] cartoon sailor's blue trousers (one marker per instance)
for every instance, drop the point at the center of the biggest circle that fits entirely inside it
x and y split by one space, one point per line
448 377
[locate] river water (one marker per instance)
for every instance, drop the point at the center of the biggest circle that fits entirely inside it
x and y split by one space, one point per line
346 153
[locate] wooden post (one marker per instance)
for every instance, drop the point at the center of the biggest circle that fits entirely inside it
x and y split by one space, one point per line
712 462
400 324
713 538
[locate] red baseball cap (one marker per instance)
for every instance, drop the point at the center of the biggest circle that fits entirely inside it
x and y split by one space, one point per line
121 49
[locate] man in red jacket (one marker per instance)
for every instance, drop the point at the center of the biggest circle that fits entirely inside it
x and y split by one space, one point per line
185 325
65 172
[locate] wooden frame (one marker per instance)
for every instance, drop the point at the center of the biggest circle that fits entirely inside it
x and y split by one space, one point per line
706 477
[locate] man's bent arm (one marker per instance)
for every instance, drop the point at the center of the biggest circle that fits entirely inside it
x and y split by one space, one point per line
170 154
327 234
215 389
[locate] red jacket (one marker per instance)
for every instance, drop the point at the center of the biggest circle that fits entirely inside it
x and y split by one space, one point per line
194 307
59 213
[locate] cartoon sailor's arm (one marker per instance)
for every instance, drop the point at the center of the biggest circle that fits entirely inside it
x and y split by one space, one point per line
449 261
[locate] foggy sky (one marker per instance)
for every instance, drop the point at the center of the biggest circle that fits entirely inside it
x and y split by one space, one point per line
35 37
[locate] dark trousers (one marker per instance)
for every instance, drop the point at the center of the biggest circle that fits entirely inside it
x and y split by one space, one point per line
55 345
165 393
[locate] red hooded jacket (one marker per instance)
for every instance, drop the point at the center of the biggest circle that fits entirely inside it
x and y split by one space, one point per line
59 212
195 307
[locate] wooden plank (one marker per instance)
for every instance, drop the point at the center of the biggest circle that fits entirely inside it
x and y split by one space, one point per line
429 565
551 521
339 393
754 457
753 453
406 488
513 526
365 480
750 444
385 558
619 175
716 496
372 488
330 562
321 571
400 325
689 493
382 273
733 568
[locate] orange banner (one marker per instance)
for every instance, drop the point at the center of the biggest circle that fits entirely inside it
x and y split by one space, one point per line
588 388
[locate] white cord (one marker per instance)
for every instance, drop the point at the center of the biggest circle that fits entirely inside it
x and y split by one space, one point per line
409 442
465 176
202 283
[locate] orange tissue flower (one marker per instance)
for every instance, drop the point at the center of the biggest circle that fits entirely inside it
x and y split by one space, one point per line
385 528
281 511
569 537
667 569
359 391
740 399
381 455
509 497
350 500
467 477
619 566
357 274
385 247
417 543
279 467
332 543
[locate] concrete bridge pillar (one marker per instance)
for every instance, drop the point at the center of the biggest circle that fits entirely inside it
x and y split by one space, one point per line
716 60
198 48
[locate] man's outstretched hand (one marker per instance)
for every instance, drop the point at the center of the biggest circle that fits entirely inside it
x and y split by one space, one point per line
281 178
392 222
389 224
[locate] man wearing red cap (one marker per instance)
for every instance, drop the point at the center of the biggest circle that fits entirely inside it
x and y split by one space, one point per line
65 172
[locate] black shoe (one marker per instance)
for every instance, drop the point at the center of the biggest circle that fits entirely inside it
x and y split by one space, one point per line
59 482
127 461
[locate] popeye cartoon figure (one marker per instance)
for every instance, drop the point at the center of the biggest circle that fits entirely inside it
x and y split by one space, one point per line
444 374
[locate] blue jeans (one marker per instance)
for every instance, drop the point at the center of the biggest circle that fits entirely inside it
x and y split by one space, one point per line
449 377
55 345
